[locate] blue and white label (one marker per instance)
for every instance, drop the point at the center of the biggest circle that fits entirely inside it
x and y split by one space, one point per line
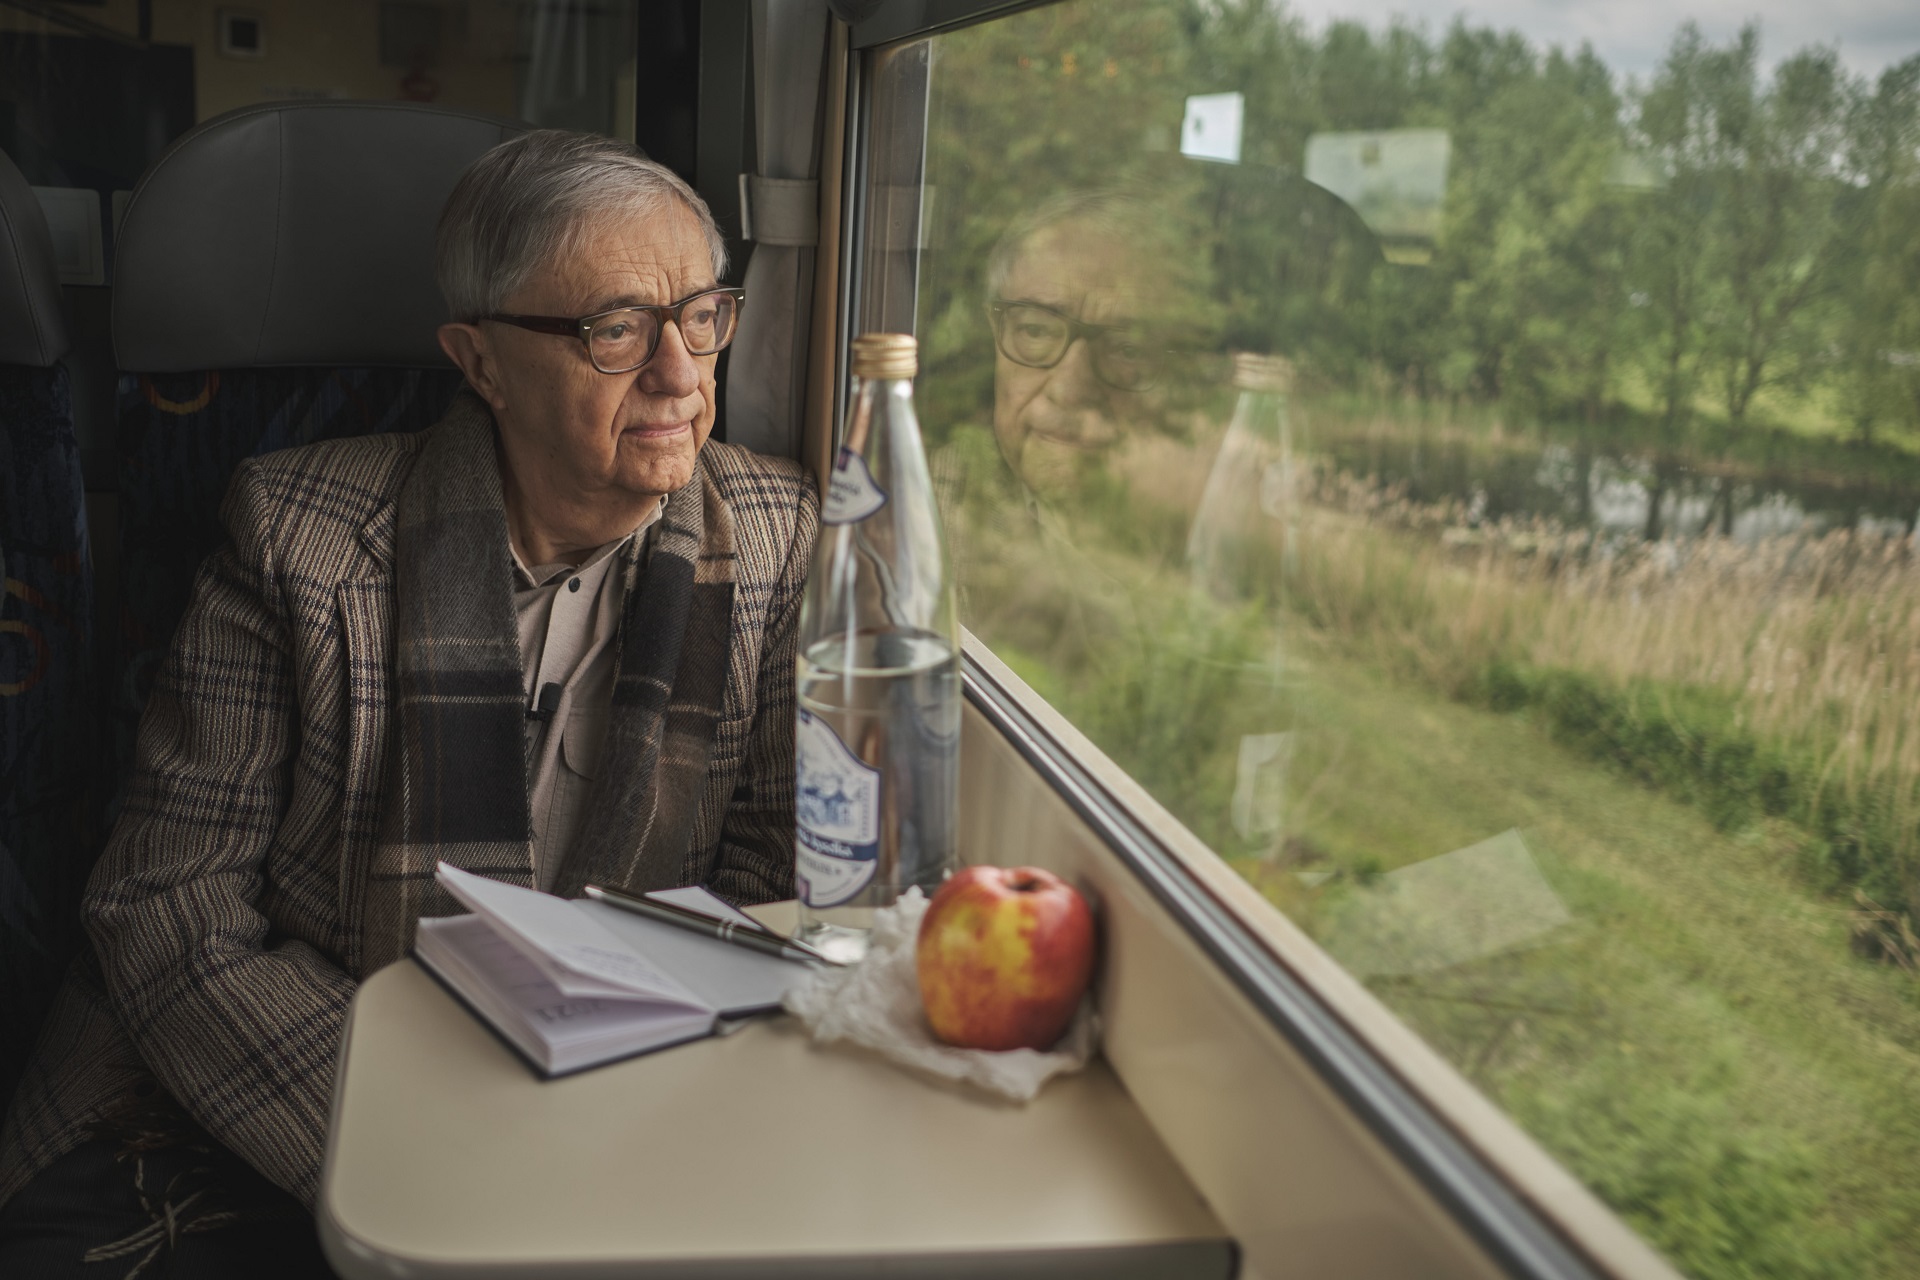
837 807
852 493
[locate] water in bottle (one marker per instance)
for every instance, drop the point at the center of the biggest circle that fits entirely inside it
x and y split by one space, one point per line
877 743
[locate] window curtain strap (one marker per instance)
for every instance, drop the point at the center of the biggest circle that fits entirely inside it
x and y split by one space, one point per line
779 210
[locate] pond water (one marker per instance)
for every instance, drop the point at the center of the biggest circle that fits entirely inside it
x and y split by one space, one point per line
1618 494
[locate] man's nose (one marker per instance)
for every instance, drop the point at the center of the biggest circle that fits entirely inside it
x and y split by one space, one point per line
673 371
1072 382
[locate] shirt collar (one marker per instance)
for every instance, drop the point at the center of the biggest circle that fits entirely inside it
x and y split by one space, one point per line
541 575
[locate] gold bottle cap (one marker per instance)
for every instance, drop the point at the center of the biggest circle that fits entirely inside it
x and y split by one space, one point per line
1253 372
885 355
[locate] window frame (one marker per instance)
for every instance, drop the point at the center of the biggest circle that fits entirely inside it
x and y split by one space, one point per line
1529 1215
893 21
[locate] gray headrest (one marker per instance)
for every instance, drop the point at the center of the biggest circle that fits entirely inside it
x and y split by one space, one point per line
33 329
296 233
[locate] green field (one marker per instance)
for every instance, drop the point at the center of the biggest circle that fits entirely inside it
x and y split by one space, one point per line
1699 1042
1699 1045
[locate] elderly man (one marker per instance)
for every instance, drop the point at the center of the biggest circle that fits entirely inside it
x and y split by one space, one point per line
1087 297
1065 295
551 639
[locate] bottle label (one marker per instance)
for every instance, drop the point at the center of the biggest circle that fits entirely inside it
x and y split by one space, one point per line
837 807
852 494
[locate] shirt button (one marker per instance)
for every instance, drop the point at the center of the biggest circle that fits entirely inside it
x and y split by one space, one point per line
573 585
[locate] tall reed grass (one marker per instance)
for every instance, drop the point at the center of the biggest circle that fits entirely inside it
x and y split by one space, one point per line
1802 655
1778 677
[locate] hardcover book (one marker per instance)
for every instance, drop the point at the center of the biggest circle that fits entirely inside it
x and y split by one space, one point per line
575 984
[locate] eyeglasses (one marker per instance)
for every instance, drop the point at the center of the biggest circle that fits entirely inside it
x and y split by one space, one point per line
621 340
1038 337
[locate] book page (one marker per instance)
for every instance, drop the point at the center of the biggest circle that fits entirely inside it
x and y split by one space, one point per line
729 979
556 1029
551 931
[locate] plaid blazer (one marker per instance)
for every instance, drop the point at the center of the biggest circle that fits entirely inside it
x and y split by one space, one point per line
234 910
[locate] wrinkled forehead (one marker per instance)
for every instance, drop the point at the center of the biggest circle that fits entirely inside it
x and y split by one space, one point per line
627 257
1086 271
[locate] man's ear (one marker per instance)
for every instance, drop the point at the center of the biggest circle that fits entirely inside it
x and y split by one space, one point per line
467 347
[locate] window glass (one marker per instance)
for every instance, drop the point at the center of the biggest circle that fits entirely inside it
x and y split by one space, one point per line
1469 473
92 93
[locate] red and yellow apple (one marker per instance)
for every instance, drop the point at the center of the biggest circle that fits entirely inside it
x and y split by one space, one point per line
1004 954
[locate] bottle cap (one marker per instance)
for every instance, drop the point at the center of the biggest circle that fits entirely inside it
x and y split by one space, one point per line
1254 372
885 355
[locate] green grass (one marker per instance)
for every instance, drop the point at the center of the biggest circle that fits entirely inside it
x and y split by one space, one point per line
1699 1046
1691 742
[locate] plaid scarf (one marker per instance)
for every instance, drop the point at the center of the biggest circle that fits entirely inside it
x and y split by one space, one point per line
457 778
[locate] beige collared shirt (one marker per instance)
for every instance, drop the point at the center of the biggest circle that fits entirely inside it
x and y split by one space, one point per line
568 617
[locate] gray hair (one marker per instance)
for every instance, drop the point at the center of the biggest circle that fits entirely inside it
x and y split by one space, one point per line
530 200
1121 213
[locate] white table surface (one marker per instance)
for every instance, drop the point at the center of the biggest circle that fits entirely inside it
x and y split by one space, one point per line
759 1154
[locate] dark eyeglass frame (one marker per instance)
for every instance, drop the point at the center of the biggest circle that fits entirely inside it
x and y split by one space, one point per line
1077 329
582 327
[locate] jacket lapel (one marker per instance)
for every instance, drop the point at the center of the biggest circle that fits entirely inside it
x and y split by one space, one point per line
365 609
675 640
376 536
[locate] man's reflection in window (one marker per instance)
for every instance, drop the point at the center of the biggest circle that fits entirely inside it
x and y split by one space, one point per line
1109 400
1128 553
1066 296
1096 307
1085 299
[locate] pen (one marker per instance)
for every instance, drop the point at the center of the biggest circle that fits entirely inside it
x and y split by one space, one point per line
753 937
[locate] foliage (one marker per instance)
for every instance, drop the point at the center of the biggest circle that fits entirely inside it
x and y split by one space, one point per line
1774 680
1647 1049
1880 369
1684 1167
1714 237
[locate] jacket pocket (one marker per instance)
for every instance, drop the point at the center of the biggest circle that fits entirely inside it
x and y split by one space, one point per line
583 740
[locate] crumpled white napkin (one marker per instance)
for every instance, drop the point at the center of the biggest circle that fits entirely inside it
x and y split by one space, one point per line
876 1003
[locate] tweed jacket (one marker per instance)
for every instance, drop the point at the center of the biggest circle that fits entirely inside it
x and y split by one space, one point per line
232 911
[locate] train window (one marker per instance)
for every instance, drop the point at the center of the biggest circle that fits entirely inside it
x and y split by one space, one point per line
1468 474
173 63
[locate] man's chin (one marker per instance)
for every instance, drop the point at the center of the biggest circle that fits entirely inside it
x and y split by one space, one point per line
1060 479
656 466
656 475
1046 453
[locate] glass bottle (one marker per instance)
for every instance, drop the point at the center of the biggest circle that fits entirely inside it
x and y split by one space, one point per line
1241 549
877 744
1241 542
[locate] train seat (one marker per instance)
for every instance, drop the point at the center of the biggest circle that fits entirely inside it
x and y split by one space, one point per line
46 610
273 287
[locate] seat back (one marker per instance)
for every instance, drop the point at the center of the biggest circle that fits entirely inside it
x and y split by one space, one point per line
273 286
46 608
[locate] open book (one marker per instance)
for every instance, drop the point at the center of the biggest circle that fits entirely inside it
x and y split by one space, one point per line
574 984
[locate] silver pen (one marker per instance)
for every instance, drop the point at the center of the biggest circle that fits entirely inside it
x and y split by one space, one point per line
752 937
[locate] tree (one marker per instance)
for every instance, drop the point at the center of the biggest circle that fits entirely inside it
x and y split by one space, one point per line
1758 166
1880 331
1667 252
1777 233
1542 264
